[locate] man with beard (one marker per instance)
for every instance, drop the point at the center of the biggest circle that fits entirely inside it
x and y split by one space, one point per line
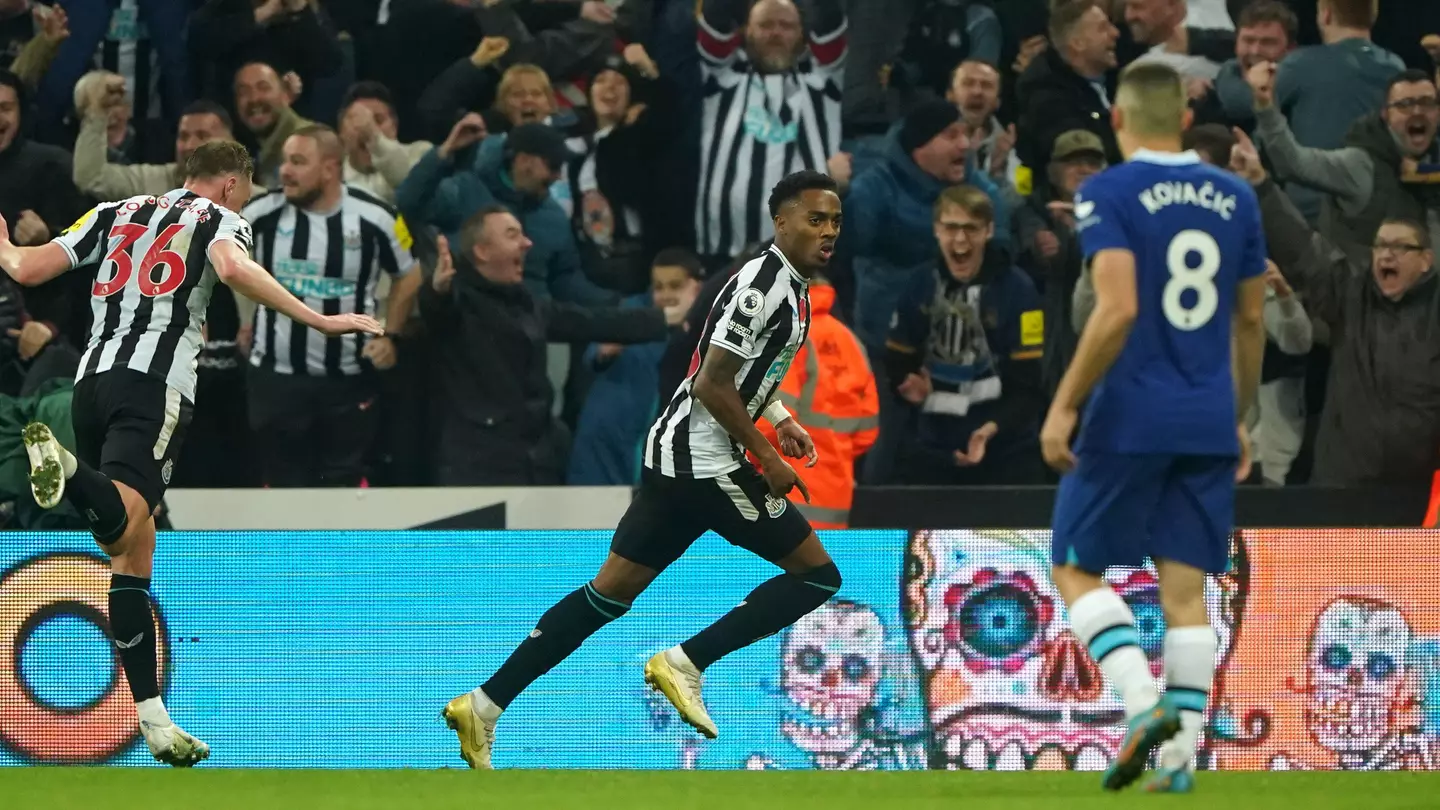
975 90
1066 87
311 396
1266 33
1374 177
771 107
263 102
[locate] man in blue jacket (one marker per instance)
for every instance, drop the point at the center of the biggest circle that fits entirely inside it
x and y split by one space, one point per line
888 229
515 170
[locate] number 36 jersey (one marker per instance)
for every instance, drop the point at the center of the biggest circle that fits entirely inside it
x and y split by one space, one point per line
153 279
1194 231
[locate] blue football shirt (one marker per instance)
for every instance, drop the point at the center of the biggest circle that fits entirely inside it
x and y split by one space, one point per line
1195 233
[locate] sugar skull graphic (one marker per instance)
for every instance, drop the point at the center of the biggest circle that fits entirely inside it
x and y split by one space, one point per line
832 665
1008 686
1361 676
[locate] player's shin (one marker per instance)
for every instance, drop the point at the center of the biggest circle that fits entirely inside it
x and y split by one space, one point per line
560 632
770 608
132 625
1103 621
1189 670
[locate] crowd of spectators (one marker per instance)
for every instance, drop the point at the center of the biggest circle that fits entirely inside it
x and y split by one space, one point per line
575 180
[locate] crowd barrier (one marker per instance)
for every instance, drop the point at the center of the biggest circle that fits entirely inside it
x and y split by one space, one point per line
944 649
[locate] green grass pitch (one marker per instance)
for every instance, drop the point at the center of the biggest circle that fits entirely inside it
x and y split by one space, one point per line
216 789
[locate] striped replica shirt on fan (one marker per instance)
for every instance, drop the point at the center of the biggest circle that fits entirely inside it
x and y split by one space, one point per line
153 282
761 314
330 261
756 128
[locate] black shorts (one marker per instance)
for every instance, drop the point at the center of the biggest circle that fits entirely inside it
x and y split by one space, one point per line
129 426
669 514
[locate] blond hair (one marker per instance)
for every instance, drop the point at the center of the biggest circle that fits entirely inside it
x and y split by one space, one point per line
516 72
1151 97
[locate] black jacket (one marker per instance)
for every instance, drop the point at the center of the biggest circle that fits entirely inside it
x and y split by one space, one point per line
1381 419
493 392
1054 99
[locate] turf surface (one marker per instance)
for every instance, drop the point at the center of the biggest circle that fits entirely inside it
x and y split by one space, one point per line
216 789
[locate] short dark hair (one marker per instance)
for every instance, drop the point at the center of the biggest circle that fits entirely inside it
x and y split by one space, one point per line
1422 233
372 90
1270 11
475 226
1064 16
793 185
1409 76
218 158
1353 13
679 257
1215 140
207 107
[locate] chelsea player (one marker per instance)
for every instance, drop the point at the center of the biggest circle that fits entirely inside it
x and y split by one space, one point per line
1176 256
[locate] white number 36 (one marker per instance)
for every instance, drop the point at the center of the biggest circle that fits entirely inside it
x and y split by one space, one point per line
1200 278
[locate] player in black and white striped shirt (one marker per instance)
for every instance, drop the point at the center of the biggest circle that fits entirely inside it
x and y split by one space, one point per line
157 259
697 480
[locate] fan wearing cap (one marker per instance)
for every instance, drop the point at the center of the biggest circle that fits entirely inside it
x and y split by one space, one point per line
516 169
1048 245
888 210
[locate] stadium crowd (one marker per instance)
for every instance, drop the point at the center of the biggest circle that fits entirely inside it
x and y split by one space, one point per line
544 197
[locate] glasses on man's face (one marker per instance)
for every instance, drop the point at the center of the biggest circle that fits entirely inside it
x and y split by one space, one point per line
1396 248
1408 105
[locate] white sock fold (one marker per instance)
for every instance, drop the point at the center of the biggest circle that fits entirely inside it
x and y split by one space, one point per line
1189 671
484 707
152 711
68 463
1103 621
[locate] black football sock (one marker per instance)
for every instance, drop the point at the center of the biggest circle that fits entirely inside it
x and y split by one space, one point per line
770 608
95 495
561 631
132 625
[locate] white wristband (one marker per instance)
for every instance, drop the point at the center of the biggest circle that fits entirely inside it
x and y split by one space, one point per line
775 413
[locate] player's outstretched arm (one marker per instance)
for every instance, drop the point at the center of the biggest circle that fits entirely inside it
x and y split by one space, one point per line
31 265
715 388
244 276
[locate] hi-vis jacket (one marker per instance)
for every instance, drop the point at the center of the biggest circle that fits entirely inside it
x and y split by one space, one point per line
831 392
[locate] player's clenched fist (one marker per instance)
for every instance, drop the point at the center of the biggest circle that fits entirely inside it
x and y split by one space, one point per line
795 442
1055 438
